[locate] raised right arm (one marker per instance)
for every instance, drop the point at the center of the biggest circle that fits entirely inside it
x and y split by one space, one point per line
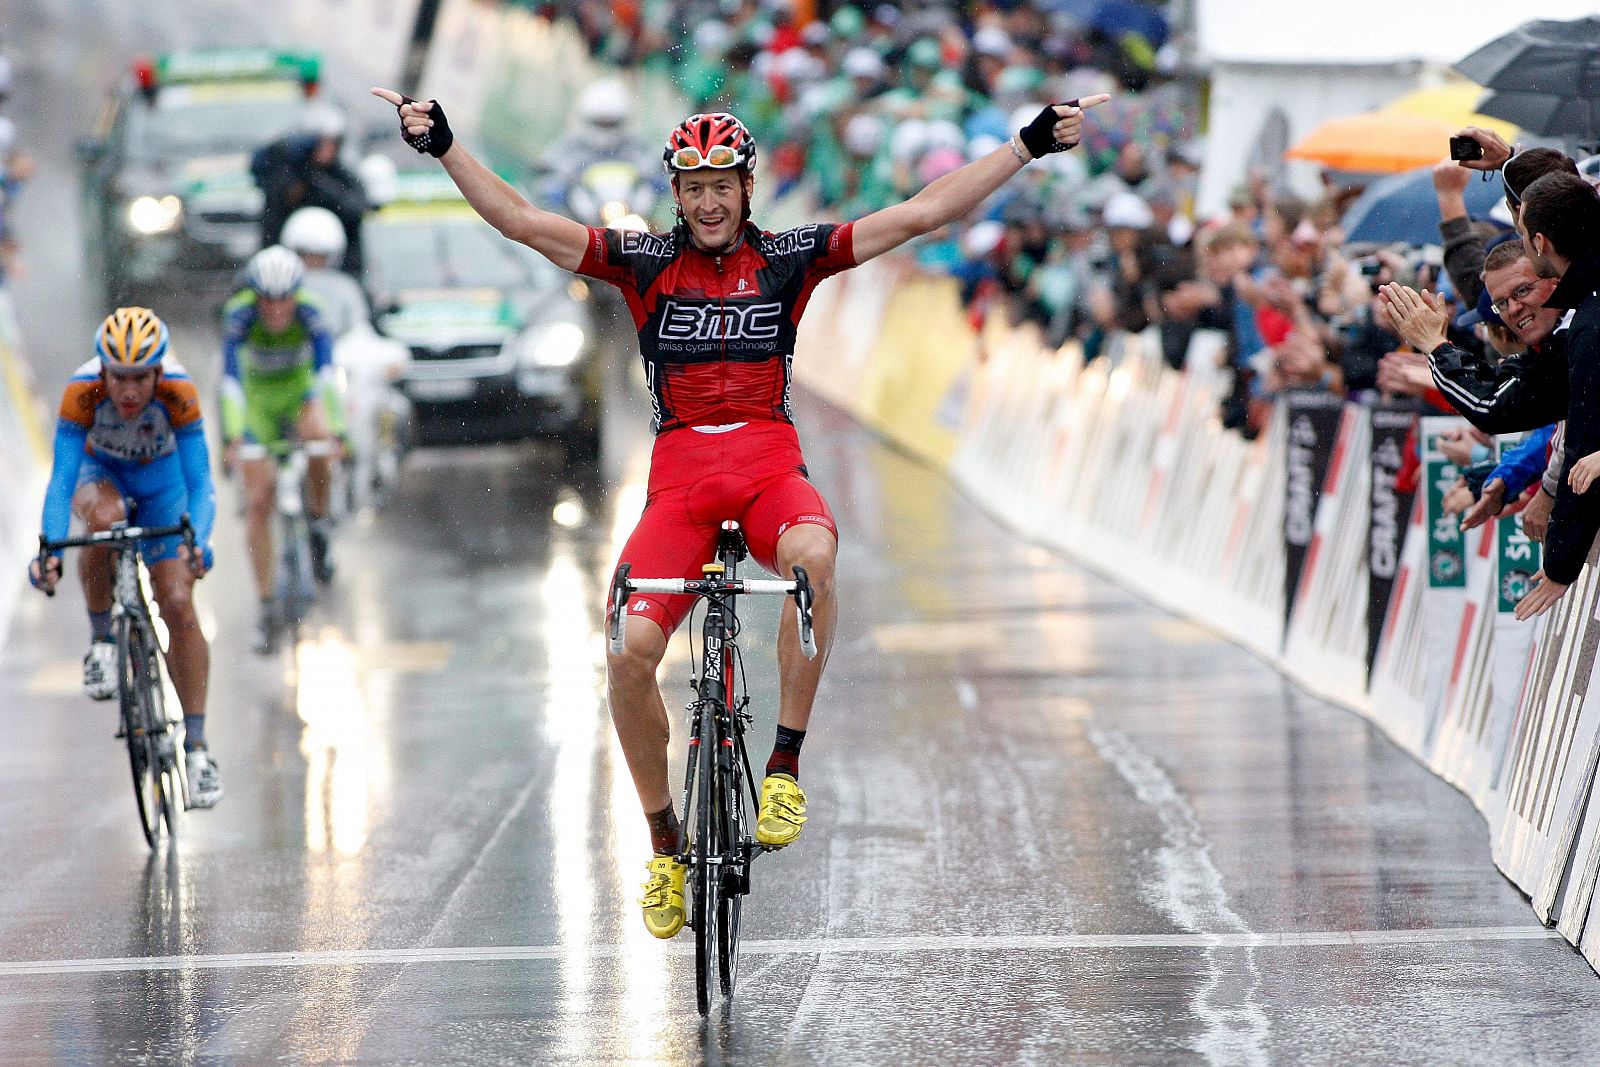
560 240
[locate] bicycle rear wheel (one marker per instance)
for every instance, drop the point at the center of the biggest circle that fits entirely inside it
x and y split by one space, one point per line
706 845
142 757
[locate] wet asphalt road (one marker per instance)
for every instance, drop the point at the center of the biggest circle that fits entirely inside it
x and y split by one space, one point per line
1049 824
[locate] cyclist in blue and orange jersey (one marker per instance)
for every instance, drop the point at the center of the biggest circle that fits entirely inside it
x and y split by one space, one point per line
130 431
278 382
716 303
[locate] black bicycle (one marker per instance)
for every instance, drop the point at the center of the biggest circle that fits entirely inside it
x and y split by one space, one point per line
152 735
719 790
297 570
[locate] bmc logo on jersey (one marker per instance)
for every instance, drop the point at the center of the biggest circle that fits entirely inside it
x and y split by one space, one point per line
792 241
728 322
639 242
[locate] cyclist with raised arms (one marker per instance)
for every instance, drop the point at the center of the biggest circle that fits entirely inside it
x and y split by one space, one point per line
130 430
716 303
278 378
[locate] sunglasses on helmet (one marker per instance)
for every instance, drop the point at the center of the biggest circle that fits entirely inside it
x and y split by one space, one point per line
718 157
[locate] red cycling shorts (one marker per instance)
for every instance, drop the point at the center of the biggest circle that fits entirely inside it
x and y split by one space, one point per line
753 474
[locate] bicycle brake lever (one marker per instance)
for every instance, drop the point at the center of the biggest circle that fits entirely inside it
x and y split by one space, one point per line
616 632
802 608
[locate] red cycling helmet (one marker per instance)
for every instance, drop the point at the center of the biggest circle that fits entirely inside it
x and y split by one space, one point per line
718 141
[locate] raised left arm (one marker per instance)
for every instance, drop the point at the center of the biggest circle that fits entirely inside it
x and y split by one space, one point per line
957 193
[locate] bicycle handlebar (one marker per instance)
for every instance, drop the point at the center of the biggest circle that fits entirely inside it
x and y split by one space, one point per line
622 586
120 533
116 536
702 587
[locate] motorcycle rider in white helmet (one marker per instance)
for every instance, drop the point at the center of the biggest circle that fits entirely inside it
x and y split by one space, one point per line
370 363
316 235
304 169
599 134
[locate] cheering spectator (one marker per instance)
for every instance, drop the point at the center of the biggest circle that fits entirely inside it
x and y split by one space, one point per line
1560 224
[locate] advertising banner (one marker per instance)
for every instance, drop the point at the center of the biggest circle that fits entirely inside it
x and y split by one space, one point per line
1391 509
1447 559
1313 425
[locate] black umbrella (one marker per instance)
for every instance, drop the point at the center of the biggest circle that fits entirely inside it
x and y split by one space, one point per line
1547 116
1544 56
1546 76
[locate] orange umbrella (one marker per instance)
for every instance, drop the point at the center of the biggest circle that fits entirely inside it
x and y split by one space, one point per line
1384 142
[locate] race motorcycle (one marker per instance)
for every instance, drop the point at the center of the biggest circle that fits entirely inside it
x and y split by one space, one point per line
613 193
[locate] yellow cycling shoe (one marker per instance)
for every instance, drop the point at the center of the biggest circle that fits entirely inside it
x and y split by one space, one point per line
663 897
783 810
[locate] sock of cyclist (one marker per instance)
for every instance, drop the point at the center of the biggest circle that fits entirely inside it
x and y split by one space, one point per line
100 625
785 758
664 831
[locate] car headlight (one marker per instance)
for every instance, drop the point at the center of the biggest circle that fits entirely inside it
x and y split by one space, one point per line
151 215
630 222
556 345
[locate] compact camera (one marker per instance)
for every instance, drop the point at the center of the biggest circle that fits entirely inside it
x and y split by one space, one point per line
1465 147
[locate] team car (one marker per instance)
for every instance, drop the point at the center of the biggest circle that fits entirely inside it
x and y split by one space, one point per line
168 195
502 342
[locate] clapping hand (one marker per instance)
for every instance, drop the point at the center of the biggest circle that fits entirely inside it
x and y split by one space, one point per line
1419 318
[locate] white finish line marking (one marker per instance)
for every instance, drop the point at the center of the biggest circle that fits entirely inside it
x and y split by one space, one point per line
382 957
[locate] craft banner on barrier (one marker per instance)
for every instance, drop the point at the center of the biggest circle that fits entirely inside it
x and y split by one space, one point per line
1390 508
1313 423
1326 640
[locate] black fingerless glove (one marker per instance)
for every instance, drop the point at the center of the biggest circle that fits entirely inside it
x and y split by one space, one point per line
1038 136
435 141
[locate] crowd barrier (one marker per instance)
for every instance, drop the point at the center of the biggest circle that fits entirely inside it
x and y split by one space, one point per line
24 447
1303 545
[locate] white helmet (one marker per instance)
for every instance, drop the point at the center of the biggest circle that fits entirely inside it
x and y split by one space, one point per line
604 103
315 231
275 272
379 177
322 119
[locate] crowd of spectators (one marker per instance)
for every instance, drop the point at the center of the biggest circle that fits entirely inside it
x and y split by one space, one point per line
16 167
865 106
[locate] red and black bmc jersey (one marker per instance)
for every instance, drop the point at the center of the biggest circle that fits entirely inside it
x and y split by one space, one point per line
717 332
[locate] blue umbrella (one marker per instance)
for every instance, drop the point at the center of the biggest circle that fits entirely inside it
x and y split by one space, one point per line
1116 17
1404 207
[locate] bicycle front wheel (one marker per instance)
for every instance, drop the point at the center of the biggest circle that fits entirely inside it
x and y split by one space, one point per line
166 779
735 870
132 656
296 584
706 848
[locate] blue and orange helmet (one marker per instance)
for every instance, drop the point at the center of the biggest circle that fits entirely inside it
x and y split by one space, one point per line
130 340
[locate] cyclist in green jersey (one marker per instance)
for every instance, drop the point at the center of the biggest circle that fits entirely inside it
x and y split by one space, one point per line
279 383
